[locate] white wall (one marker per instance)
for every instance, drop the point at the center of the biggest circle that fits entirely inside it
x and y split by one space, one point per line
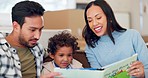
133 7
53 5
135 13
120 5
5 19
127 6
122 12
145 18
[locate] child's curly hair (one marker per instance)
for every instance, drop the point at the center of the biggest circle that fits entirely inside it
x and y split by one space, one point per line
62 39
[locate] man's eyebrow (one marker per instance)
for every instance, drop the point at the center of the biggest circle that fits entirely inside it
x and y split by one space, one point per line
33 27
36 27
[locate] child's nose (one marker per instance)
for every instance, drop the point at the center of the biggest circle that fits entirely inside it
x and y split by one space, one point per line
65 58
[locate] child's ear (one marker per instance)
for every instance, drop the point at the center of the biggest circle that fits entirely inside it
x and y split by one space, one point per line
51 55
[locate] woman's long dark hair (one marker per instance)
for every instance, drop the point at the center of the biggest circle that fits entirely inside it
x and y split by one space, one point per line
90 37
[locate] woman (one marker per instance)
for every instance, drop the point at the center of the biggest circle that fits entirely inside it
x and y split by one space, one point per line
107 42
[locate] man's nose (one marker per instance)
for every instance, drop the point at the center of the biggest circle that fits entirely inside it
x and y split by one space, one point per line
37 34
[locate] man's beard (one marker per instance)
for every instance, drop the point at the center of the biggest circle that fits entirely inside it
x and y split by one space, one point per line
23 42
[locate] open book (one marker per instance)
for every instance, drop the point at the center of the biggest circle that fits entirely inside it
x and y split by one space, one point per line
114 70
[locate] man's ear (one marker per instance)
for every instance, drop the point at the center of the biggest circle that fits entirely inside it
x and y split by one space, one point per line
51 55
15 25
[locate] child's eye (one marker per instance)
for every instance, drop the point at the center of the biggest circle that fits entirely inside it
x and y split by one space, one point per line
61 55
70 55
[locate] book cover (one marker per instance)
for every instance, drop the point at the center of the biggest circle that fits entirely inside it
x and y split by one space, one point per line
114 70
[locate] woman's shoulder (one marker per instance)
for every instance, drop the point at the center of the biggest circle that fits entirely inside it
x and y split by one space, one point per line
132 31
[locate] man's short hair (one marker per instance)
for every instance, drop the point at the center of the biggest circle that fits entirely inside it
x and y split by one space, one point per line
26 9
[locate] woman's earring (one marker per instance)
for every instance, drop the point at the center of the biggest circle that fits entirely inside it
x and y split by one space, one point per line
111 21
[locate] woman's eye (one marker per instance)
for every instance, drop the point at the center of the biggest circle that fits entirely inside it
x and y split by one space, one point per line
89 20
99 18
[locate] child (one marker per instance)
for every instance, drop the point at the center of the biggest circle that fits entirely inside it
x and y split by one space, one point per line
61 48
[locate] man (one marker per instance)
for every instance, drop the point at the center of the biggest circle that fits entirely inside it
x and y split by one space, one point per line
20 54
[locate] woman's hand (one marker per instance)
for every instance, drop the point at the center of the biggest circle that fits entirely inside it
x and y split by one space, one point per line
137 69
51 75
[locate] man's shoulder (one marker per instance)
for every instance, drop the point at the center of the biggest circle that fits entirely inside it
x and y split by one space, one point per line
1 35
3 41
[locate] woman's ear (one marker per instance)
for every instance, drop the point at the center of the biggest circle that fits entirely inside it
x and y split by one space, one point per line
51 55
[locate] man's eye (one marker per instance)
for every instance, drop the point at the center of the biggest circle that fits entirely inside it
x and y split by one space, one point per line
32 29
40 30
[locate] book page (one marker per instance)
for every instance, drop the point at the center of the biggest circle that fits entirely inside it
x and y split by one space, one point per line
80 73
119 69
114 70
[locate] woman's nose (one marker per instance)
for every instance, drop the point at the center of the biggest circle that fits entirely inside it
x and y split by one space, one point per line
95 22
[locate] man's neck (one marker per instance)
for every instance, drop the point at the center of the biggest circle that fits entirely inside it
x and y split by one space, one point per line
13 41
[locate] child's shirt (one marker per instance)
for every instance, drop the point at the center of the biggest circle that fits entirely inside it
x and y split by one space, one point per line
49 66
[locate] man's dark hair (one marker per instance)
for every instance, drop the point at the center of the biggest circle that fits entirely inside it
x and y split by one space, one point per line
26 9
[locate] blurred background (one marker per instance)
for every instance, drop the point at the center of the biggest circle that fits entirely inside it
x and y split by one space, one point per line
129 13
